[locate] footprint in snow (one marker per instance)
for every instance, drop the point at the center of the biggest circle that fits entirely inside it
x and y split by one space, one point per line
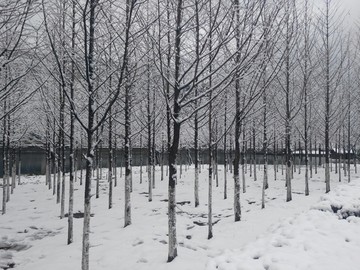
142 260
137 242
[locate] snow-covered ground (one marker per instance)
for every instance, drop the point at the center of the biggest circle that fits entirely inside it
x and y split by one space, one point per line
325 237
281 236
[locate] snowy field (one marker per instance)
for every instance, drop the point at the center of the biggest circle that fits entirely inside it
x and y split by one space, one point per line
314 232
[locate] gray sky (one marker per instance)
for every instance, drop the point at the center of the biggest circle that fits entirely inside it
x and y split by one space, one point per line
351 8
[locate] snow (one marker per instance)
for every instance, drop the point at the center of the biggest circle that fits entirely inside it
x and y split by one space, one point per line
281 236
325 237
344 201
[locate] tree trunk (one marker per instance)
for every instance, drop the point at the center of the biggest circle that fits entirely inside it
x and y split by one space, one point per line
4 139
196 150
19 166
153 146
7 165
162 156
336 157
306 81
98 175
141 159
81 159
243 158
150 161
348 134
288 111
62 111
216 150
110 135
167 84
90 134
275 155
254 146
210 231
115 156
225 150
13 170
110 162
173 150
87 191
72 132
344 151
265 145
127 218
181 160
237 208
316 162
327 102
339 157
47 150
355 158
306 135
54 163
58 163
210 179
299 157
311 157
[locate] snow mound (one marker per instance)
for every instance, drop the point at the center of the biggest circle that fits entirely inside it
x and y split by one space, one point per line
7 245
325 237
343 201
23 240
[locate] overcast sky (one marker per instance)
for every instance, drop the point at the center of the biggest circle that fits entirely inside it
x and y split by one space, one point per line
352 8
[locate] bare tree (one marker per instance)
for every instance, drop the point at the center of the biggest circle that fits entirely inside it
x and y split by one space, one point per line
332 69
189 71
249 63
90 10
72 127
